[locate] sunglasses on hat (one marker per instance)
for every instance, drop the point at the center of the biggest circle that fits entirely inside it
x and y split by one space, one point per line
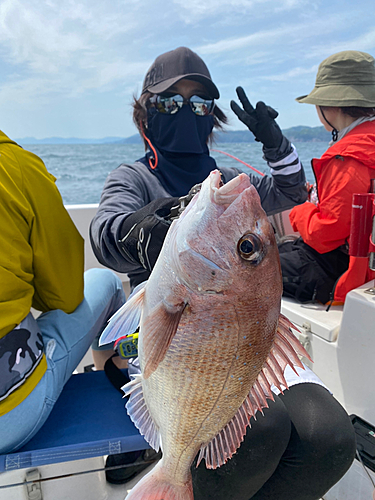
171 104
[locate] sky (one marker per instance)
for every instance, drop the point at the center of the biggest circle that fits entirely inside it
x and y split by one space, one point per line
70 68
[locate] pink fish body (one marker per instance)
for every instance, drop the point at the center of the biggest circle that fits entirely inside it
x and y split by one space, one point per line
212 340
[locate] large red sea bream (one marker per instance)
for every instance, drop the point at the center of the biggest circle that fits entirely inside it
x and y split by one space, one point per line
212 340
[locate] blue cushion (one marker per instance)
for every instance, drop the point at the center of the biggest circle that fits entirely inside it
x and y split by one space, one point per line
88 420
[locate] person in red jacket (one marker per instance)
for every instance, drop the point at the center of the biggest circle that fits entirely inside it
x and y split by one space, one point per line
316 265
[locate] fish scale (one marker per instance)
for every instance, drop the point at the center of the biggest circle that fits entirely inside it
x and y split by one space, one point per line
211 339
212 391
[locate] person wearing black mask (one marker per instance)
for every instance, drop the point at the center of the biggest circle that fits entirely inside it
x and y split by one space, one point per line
176 115
304 442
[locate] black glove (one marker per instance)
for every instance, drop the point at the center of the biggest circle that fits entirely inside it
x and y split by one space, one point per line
142 233
260 121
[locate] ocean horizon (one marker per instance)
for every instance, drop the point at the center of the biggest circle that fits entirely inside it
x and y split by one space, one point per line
81 169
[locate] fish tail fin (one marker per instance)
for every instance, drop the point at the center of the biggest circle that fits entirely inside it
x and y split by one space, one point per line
155 486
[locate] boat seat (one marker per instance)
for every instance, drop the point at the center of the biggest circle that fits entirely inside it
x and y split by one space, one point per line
88 420
314 317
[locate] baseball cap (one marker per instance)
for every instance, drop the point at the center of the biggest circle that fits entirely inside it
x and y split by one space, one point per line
173 66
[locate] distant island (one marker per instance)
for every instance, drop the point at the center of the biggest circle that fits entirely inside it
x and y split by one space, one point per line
294 134
69 140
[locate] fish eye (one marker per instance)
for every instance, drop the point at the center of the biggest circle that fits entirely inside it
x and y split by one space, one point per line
250 248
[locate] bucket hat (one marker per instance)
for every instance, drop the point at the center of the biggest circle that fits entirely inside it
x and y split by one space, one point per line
344 79
171 67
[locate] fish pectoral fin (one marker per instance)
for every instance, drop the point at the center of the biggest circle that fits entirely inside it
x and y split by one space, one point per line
158 331
126 319
139 413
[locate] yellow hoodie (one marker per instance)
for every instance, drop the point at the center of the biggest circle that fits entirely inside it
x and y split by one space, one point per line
41 251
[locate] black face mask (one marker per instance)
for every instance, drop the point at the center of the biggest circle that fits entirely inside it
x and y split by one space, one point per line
179 140
183 132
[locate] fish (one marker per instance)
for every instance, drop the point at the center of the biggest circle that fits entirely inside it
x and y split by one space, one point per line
212 340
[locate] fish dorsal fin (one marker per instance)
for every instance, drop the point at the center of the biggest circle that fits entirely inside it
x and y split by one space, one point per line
158 331
139 414
284 351
126 319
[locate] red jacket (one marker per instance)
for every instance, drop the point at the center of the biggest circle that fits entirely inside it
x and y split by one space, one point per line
344 169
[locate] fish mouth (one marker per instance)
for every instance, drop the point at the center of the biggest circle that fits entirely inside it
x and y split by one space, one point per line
226 194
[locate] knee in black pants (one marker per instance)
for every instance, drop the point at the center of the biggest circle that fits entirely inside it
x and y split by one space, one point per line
253 464
321 447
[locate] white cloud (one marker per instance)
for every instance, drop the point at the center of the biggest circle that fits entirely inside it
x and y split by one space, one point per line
35 40
25 92
293 73
96 53
46 36
284 35
112 73
364 42
194 9
65 47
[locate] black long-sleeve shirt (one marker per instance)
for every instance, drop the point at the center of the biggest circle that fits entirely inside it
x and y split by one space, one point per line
132 186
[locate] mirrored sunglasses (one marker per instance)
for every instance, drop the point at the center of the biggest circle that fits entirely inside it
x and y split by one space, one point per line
171 104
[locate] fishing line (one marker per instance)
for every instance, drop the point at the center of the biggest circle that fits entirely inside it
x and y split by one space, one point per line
280 231
234 158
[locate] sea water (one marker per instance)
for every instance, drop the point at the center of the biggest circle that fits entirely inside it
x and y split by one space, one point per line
81 169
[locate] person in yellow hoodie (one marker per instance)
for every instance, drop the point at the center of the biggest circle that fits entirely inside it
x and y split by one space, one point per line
41 266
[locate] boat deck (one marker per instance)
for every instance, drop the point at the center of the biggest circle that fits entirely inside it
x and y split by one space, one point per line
80 479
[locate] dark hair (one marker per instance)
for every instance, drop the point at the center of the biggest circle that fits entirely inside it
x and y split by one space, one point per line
353 111
357 112
140 116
